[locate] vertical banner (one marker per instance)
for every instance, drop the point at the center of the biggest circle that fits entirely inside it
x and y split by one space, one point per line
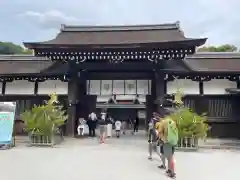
7 115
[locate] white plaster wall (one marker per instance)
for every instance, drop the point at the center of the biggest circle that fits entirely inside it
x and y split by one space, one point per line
130 87
53 86
142 87
218 86
118 87
94 87
187 86
19 87
106 88
110 87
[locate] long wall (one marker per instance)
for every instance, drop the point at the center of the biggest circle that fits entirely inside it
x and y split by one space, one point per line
217 103
119 87
127 89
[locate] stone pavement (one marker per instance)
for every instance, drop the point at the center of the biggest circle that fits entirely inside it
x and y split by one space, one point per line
140 138
118 159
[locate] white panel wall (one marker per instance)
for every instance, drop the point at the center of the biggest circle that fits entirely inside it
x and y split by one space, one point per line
94 87
106 88
118 87
142 87
187 86
20 87
109 87
218 86
53 86
130 87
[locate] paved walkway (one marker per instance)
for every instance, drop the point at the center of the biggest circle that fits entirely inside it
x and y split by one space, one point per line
118 159
140 138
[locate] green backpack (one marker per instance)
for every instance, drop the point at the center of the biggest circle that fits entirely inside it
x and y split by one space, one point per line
172 132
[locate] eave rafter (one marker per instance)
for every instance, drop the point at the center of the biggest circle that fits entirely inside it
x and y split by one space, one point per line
201 78
115 56
34 78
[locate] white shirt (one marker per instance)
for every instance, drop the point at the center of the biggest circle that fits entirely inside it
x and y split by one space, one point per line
118 125
103 116
93 116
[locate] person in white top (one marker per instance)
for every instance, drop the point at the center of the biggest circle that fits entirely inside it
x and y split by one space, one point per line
92 116
81 126
118 125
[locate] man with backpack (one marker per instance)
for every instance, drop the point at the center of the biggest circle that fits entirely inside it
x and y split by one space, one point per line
168 134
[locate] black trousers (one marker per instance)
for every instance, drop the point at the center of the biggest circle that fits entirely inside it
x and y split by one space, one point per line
135 128
91 132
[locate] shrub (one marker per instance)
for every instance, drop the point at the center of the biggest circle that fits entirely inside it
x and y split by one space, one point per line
189 123
44 119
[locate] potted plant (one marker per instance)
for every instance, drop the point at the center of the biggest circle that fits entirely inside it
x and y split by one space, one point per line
42 121
191 126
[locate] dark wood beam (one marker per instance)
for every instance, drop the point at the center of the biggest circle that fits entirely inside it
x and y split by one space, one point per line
3 87
119 75
125 66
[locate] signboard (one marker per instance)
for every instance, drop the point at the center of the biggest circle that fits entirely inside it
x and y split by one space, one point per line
7 114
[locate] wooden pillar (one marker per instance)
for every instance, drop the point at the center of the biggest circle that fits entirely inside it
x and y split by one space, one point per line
158 91
149 107
72 105
76 94
82 96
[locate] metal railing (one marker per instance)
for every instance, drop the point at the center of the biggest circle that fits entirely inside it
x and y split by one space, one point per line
188 143
37 139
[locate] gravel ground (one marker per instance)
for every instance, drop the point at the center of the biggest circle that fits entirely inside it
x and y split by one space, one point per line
117 159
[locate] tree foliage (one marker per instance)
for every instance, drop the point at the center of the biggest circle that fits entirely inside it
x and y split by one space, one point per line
10 48
44 119
222 48
188 122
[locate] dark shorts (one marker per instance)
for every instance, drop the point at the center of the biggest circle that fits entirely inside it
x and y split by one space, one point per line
161 149
168 150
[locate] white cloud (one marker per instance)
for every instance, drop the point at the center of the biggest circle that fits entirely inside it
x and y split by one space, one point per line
49 19
219 20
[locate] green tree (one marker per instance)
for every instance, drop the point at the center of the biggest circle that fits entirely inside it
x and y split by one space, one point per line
222 48
10 48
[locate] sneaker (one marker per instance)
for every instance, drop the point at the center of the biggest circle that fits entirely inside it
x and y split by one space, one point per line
172 175
168 171
162 167
150 158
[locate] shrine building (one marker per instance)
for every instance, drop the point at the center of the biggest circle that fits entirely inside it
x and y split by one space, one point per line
129 71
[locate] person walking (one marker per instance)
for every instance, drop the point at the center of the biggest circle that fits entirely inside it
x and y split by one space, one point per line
135 126
102 127
169 135
92 122
152 135
124 126
109 126
118 125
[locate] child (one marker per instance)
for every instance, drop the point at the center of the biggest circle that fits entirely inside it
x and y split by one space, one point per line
118 125
81 126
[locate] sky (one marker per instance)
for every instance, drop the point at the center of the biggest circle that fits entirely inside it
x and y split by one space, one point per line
40 20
